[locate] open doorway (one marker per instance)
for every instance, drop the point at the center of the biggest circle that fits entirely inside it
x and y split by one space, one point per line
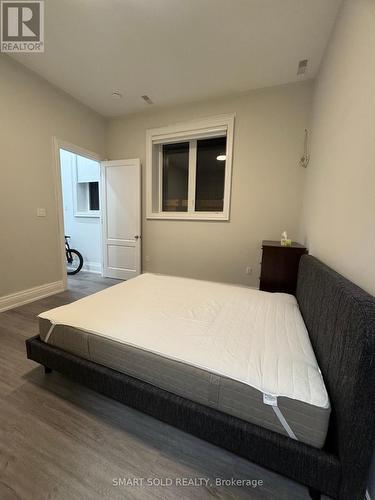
80 188
99 207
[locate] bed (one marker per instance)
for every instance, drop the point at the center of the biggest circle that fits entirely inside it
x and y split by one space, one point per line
253 372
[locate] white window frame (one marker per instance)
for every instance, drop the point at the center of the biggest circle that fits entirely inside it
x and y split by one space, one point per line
217 126
76 212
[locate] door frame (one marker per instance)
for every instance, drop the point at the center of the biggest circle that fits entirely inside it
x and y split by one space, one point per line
103 191
58 144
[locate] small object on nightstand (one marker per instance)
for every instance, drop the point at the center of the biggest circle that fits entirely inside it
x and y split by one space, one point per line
279 267
285 242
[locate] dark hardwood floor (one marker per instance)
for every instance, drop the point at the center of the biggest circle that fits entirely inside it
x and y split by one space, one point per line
59 440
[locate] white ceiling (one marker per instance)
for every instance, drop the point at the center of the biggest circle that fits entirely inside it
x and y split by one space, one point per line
177 51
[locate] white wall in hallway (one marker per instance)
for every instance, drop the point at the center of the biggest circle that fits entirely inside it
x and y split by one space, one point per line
85 232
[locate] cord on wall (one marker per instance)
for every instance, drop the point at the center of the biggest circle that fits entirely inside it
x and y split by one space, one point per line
304 161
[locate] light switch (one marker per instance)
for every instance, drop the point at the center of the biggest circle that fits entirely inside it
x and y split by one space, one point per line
41 212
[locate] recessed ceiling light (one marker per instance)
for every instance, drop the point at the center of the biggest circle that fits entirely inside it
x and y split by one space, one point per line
221 157
116 94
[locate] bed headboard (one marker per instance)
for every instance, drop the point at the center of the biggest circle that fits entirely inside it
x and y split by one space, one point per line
340 319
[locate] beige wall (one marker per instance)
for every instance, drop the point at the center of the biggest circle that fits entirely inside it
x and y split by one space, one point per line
339 214
267 145
31 113
267 184
339 211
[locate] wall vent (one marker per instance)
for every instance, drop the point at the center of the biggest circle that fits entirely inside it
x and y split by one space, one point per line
147 99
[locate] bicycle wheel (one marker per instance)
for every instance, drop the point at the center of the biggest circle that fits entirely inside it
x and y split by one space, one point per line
76 263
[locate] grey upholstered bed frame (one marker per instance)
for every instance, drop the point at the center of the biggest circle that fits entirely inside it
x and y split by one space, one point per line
340 318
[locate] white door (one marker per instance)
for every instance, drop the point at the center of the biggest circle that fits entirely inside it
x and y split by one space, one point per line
121 218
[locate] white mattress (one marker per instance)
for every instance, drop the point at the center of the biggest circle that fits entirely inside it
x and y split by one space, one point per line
253 337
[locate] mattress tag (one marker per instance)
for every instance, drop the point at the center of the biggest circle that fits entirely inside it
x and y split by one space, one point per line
268 399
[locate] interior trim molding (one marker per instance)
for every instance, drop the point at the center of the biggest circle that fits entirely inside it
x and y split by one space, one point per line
25 296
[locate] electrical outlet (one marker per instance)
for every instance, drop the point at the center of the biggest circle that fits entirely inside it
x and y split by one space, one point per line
249 270
147 258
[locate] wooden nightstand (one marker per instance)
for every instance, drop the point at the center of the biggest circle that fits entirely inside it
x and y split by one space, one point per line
279 266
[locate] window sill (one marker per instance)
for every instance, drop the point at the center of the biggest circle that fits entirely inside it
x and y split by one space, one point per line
217 216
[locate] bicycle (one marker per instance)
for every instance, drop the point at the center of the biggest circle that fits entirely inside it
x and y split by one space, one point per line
73 258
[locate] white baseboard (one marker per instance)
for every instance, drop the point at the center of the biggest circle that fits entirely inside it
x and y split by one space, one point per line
25 296
92 267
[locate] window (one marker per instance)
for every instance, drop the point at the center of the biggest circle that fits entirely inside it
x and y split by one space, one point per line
86 187
189 170
210 175
175 177
93 195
